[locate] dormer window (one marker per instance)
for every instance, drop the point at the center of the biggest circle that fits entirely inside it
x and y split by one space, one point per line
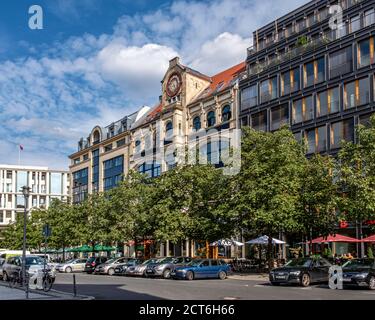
96 137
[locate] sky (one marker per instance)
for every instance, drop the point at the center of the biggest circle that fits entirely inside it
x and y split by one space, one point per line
96 61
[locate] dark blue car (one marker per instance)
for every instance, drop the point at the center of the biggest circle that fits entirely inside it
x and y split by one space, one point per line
203 269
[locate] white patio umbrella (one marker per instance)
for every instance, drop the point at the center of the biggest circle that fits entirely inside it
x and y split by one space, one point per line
264 240
227 243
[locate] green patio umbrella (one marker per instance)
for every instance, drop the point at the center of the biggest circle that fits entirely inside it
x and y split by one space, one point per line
84 248
100 247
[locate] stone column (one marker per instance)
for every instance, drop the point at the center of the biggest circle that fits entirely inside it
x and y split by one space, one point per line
187 244
167 248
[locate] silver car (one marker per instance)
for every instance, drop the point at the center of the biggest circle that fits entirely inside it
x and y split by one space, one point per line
74 265
2 261
164 267
139 270
109 266
33 265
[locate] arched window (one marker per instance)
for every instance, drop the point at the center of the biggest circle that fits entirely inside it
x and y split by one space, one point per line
168 132
169 129
197 123
211 119
226 113
96 137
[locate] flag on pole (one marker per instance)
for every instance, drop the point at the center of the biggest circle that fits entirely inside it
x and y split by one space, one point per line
21 147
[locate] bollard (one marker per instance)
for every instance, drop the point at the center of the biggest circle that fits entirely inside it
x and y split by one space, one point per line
74 285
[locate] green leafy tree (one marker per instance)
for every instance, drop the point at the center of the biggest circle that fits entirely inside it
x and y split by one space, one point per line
130 208
267 200
63 222
318 197
356 167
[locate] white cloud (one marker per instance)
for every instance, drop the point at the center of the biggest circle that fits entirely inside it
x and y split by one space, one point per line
138 70
224 51
49 101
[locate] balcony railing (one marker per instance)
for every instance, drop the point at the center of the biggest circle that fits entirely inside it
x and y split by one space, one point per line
312 45
345 4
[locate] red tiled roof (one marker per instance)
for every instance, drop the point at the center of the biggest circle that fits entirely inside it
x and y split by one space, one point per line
222 80
154 112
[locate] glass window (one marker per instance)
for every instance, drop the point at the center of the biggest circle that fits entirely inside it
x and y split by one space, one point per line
56 183
355 24
211 119
279 117
290 81
244 122
303 110
341 62
268 90
152 170
249 97
316 140
197 123
259 121
365 53
226 113
369 18
343 130
314 72
21 179
169 129
328 102
365 120
356 93
108 147
120 143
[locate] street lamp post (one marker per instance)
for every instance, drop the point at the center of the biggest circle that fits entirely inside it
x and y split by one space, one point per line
26 193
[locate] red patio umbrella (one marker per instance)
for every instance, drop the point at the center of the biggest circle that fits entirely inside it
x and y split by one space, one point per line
369 239
335 238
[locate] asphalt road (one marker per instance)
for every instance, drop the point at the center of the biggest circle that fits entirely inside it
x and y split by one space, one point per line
127 288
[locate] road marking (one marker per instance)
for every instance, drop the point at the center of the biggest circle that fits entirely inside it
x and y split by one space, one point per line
274 287
231 298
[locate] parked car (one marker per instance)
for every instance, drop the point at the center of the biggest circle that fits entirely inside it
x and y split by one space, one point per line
202 269
2 261
74 265
139 270
109 266
120 270
301 271
360 273
93 262
13 265
164 267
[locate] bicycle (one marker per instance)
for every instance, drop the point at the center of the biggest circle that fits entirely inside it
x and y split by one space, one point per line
48 281
16 279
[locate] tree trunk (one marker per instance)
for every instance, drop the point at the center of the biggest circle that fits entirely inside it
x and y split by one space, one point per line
270 253
63 254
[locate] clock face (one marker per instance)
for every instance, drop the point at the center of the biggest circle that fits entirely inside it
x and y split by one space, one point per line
173 85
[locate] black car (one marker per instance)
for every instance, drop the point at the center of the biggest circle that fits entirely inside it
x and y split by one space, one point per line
93 262
359 272
301 271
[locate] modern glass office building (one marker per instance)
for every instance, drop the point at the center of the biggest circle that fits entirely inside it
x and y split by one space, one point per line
45 185
313 70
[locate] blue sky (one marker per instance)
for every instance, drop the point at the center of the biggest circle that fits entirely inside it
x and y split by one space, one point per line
98 60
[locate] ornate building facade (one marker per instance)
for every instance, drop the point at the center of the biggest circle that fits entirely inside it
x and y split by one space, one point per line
193 109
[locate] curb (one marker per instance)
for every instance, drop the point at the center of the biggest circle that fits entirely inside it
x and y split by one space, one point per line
52 293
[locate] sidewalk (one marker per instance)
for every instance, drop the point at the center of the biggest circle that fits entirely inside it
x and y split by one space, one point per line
7 293
251 277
